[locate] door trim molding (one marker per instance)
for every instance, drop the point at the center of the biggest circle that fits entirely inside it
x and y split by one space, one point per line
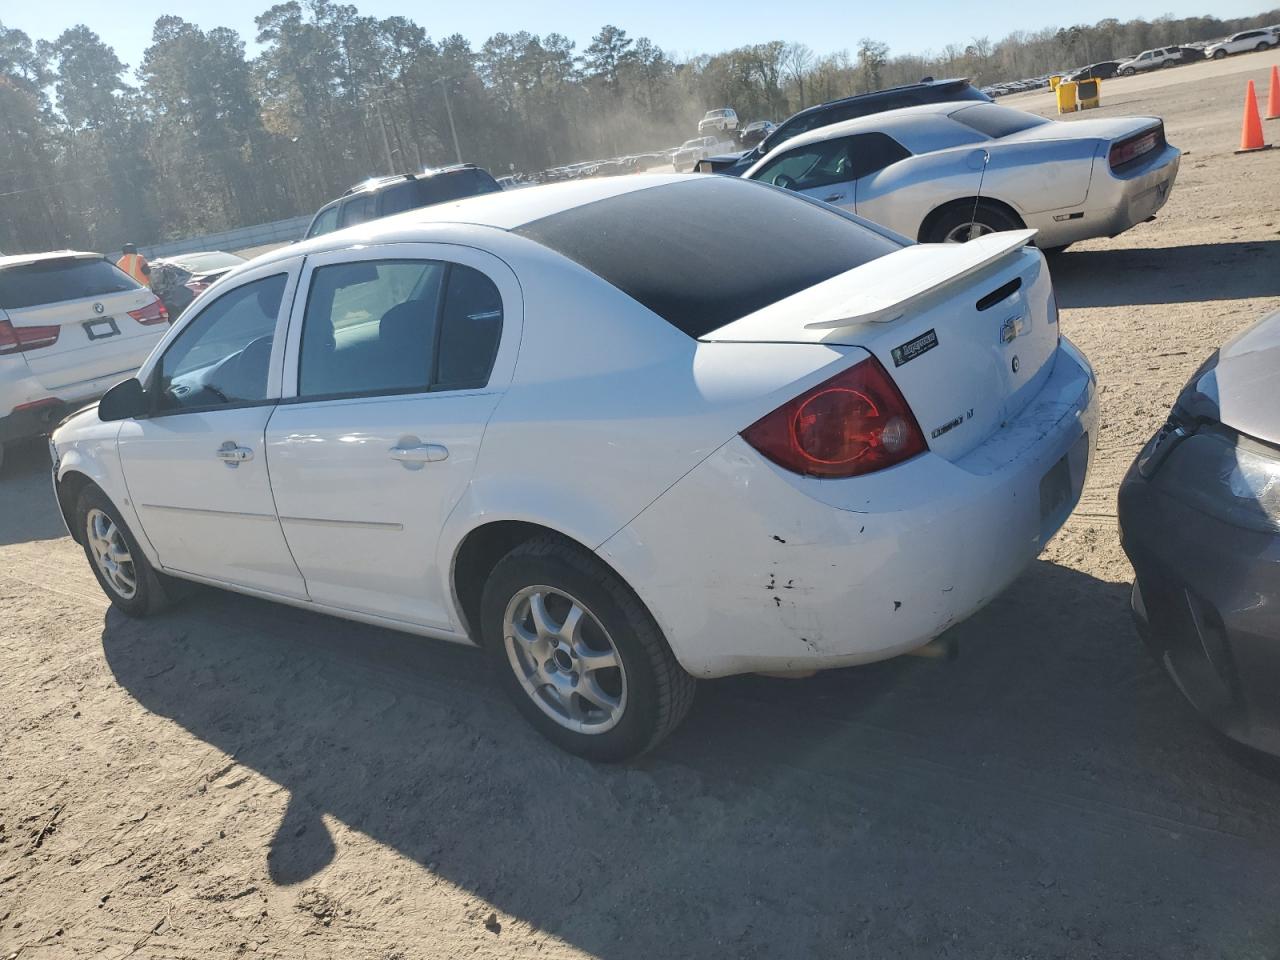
215 513
365 524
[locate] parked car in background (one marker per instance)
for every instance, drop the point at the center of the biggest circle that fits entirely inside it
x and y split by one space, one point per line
1103 70
796 473
755 131
723 120
1247 41
956 171
383 196
72 324
835 111
1151 60
690 152
1199 515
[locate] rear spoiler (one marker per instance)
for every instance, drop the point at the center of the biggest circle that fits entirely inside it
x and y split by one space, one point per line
883 290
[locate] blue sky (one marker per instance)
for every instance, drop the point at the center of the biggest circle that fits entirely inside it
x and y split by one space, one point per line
679 26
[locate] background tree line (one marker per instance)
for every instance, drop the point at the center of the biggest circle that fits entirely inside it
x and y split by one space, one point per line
200 137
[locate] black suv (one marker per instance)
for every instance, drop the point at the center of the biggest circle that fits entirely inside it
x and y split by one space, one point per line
383 196
836 111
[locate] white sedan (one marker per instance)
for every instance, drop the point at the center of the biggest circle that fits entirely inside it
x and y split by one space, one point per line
954 171
564 424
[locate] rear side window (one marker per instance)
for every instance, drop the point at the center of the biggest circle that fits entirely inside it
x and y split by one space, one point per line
397 326
667 247
51 281
996 121
454 186
401 197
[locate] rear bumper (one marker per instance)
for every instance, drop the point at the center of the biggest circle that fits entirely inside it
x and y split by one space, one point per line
31 422
749 568
1203 603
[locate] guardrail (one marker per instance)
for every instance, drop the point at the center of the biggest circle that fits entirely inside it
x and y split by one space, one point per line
279 231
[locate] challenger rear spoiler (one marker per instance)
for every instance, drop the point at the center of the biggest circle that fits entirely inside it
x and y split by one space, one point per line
882 290
879 291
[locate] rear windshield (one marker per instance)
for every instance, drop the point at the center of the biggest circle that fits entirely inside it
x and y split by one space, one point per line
444 187
704 252
50 281
996 121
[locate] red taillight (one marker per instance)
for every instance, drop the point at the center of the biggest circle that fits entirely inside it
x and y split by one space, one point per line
153 312
857 422
1125 150
21 339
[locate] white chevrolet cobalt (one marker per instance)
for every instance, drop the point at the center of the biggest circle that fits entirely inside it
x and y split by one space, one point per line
565 424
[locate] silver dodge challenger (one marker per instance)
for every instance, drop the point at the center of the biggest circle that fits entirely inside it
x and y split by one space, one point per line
955 171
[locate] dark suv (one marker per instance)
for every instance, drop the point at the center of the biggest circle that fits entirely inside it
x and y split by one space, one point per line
836 111
383 196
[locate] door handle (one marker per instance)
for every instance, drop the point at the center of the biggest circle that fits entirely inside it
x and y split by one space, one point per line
833 198
232 454
413 454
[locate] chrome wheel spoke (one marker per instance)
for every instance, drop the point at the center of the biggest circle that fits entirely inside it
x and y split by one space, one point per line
542 621
572 626
593 660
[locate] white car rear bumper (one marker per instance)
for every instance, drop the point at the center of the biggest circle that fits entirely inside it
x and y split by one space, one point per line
747 567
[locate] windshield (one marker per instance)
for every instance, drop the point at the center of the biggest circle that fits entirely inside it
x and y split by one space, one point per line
66 278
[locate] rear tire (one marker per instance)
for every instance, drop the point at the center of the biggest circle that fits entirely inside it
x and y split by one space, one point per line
126 576
1054 251
607 687
966 221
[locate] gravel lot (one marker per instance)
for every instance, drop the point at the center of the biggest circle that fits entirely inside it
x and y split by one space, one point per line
237 777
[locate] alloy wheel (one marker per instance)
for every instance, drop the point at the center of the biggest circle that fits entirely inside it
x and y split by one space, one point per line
111 553
968 231
565 659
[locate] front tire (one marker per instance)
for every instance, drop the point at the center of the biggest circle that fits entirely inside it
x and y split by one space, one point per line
1219 54
126 576
579 654
965 221
1127 72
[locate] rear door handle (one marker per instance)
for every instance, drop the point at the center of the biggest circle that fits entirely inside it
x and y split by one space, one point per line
833 198
414 454
232 454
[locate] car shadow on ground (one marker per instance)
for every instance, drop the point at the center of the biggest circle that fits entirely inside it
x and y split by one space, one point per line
1126 277
26 494
1047 786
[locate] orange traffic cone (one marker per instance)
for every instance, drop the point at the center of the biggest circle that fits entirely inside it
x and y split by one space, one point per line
1273 96
1251 131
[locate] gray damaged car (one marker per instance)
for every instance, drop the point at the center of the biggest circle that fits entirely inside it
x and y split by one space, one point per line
1200 521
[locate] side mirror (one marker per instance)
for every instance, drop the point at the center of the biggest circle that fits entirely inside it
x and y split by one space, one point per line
125 401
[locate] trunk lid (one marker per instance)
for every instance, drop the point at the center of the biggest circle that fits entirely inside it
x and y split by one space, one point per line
968 331
88 301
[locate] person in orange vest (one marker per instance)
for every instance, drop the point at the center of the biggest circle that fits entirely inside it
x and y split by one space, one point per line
135 264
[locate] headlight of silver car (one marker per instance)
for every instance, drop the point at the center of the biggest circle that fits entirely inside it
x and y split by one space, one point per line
1233 478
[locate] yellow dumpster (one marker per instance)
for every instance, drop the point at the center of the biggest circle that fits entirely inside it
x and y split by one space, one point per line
1054 81
1088 94
1067 96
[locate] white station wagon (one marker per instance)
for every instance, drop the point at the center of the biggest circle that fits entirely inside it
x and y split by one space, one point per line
564 424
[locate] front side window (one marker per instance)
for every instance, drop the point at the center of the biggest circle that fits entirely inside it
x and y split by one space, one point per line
832 161
358 209
397 326
326 221
223 356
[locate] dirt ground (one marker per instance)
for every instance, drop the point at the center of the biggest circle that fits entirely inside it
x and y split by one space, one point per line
237 777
